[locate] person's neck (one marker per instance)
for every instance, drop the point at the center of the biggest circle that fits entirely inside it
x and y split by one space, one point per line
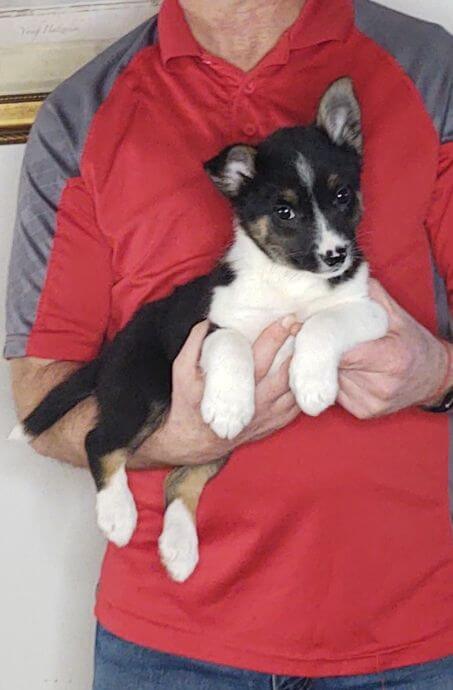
240 31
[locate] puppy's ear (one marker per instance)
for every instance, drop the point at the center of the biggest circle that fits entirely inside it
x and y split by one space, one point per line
339 114
232 168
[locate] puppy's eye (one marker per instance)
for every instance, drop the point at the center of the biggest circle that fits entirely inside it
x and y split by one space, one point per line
343 197
284 212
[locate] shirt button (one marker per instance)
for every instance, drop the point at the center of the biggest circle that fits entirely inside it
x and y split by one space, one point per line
249 130
250 87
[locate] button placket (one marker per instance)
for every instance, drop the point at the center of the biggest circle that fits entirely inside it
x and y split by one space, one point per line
249 129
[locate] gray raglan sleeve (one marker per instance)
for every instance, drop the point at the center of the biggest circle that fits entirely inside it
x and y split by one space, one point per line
59 280
59 284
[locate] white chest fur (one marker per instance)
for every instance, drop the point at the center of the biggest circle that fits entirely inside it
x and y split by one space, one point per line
334 318
264 291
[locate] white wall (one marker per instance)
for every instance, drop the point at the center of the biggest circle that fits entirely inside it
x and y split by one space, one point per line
49 545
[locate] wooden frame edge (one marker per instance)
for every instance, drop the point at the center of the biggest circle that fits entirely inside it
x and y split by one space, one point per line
17 114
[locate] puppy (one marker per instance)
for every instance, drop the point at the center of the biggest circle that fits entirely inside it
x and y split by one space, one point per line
297 205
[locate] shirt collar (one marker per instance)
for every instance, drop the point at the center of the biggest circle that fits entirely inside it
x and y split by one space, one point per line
320 21
175 36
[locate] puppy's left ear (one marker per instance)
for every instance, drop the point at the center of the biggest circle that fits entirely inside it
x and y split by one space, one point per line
339 115
232 168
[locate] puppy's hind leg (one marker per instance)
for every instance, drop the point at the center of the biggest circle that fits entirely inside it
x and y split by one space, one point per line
115 506
178 543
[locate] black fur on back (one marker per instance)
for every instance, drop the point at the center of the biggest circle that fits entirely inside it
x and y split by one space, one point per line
277 190
133 373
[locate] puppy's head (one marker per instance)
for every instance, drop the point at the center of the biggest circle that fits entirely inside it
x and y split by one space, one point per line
297 194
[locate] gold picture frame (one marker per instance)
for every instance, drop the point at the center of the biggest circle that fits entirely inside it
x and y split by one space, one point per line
17 114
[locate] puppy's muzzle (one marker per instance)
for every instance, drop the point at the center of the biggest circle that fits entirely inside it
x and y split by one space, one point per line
335 258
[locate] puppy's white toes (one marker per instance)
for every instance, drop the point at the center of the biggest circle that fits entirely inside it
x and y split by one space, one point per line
228 411
315 388
19 434
178 543
116 511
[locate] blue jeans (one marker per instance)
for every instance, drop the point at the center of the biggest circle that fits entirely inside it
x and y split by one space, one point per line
120 665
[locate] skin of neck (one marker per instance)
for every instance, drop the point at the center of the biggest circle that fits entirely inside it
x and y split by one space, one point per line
240 31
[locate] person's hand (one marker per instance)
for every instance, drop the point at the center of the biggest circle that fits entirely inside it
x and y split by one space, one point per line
184 438
404 368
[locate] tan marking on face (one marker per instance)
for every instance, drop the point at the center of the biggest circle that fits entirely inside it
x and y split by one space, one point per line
290 196
333 181
259 229
358 210
187 483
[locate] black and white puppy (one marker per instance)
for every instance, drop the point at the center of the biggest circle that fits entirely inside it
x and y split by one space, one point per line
297 205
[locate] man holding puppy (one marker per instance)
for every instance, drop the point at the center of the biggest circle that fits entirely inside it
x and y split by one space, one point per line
343 578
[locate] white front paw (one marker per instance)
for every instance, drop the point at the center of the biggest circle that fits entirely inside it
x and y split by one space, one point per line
228 404
314 384
116 511
178 543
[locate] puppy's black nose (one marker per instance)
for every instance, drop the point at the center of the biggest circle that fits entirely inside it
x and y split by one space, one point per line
335 258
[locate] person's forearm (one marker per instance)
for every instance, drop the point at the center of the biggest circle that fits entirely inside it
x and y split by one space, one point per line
32 379
184 438
154 453
65 441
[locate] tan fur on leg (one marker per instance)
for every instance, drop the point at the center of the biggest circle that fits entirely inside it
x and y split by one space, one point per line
178 543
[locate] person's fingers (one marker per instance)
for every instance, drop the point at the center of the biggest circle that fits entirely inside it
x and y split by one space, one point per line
292 414
269 342
274 385
275 424
378 292
284 404
380 295
185 372
347 403
360 409
370 357
354 396
288 417
347 383
190 352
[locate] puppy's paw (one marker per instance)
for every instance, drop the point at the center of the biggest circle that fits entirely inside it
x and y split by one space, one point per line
314 385
228 405
178 543
116 511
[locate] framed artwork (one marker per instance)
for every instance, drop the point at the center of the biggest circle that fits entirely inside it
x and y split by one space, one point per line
44 41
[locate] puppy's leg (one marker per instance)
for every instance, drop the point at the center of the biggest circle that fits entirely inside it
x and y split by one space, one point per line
178 543
133 396
115 506
321 343
228 403
109 447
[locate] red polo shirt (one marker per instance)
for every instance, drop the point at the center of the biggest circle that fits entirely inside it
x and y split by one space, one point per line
327 547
